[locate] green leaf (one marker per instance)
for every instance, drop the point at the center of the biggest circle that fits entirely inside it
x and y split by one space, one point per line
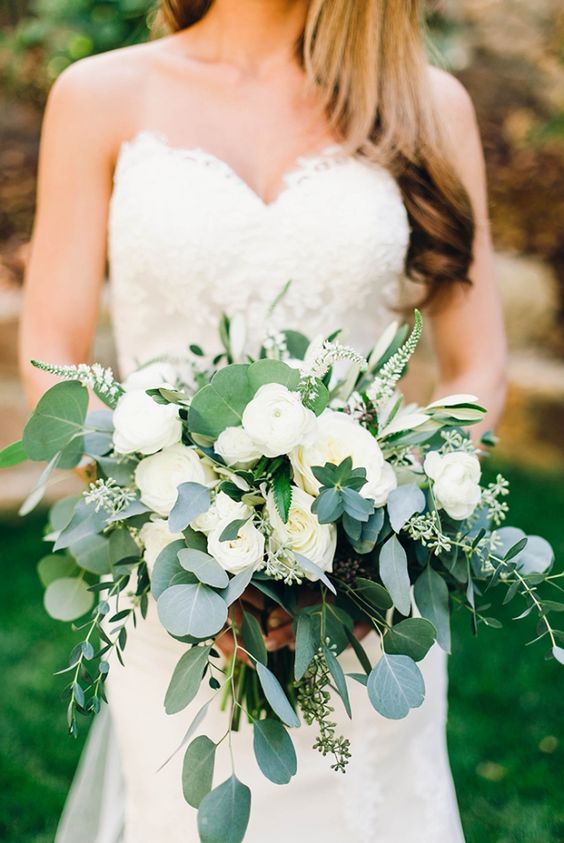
68 598
231 532
516 549
194 610
224 813
404 502
166 567
558 654
93 554
311 568
325 474
58 419
374 593
193 500
282 491
120 470
237 586
319 399
296 343
359 650
328 506
36 495
186 679
85 522
394 574
339 677
369 533
56 567
220 403
413 637
266 371
276 697
431 597
197 770
61 513
356 506
253 638
306 646
12 455
395 686
123 546
204 567
274 751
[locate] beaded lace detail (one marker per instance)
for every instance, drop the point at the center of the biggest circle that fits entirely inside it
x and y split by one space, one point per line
189 239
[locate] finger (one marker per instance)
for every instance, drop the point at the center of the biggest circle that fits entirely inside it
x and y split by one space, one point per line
283 636
277 618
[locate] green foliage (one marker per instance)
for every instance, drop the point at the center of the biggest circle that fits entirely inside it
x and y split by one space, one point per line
395 686
192 609
274 751
394 574
197 770
186 679
224 813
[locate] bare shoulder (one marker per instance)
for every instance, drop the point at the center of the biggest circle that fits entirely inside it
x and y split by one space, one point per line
454 105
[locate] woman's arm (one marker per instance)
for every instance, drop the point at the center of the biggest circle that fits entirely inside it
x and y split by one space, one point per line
67 264
467 328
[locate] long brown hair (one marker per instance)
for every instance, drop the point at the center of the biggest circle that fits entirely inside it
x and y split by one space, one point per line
368 61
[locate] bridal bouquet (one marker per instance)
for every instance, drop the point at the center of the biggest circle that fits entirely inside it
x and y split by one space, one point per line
301 478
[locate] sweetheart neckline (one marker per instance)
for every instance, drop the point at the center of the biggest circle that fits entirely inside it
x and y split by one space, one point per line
327 157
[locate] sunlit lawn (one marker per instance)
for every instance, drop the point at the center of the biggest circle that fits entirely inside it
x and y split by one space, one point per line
506 728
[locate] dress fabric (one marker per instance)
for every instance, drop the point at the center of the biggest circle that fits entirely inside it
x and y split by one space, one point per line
189 240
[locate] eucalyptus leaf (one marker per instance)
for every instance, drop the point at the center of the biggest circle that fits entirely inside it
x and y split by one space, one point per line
68 598
369 533
412 637
85 522
224 813
40 487
195 610
394 574
56 567
311 568
339 677
253 638
221 403
123 546
404 502
166 567
204 567
374 593
186 679
276 697
197 770
231 531
431 597
193 499
274 751
61 512
395 686
92 553
237 586
58 419
356 506
119 469
306 646
12 455
267 371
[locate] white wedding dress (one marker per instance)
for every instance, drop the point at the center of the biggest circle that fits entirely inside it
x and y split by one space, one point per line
188 240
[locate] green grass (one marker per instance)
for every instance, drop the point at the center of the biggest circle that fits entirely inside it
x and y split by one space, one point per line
506 701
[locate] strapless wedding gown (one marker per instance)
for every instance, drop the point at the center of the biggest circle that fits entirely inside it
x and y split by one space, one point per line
189 239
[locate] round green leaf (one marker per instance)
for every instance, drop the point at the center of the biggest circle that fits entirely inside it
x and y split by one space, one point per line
220 403
224 813
194 610
197 770
68 598
166 567
92 553
274 751
58 419
413 637
204 567
395 686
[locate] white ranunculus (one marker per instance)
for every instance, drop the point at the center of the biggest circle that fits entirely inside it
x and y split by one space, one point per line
155 535
237 448
223 510
236 555
277 421
303 533
151 376
340 436
141 425
456 482
159 476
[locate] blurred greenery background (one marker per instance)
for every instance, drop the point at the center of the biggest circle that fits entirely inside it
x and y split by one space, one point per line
506 729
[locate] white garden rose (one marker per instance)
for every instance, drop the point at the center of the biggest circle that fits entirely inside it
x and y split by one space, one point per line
153 375
302 532
277 421
237 448
155 535
141 425
340 436
223 510
159 476
456 482
236 555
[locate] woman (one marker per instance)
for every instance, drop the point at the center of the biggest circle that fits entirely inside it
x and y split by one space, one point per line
262 141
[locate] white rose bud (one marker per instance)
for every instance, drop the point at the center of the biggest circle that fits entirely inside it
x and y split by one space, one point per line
339 436
456 482
237 448
141 425
277 421
303 533
159 476
156 535
236 555
223 510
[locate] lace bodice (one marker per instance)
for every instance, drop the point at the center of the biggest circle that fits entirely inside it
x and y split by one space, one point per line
189 239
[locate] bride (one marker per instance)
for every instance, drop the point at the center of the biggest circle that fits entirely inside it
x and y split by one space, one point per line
263 141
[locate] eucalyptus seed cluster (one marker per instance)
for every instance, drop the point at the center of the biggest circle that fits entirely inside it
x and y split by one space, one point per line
348 569
314 701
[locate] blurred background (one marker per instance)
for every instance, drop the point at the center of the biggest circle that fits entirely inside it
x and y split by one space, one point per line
506 731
